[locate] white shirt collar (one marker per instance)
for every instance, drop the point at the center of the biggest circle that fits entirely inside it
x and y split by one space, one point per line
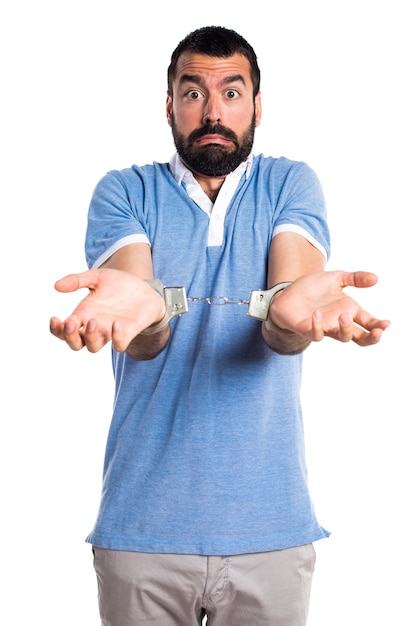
215 211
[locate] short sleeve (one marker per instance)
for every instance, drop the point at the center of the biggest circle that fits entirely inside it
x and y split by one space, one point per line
114 219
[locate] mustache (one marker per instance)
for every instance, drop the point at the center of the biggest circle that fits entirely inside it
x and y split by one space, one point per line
213 129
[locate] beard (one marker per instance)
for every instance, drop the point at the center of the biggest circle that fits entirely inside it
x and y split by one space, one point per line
213 159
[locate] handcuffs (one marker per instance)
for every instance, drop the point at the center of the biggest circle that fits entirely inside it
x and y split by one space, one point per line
176 303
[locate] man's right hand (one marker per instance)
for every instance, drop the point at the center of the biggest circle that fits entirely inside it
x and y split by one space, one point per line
117 308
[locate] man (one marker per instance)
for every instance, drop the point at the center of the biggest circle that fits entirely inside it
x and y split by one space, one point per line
205 506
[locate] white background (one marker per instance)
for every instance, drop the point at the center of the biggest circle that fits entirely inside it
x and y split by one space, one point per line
83 91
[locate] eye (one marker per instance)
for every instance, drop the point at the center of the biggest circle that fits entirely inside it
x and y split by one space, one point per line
231 94
193 94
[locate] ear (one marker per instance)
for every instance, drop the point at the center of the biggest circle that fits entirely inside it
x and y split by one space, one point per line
169 108
257 103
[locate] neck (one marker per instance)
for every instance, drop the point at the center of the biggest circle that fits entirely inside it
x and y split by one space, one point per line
212 193
210 185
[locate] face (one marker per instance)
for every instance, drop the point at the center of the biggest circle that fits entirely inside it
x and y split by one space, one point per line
213 113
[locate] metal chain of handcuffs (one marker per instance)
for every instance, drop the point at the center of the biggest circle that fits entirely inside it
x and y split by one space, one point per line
176 302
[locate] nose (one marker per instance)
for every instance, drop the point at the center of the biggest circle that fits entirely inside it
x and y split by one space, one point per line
212 111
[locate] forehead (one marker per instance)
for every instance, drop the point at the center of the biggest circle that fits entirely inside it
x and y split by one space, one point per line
212 68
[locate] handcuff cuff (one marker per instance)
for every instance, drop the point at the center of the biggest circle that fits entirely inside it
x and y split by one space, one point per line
176 303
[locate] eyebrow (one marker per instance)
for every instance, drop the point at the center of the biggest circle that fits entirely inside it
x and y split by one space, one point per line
195 78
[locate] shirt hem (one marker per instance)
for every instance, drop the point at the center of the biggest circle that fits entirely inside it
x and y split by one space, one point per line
207 548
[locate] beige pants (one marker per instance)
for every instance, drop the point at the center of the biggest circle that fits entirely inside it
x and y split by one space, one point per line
263 589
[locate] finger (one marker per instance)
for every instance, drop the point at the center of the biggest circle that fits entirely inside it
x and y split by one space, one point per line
56 327
72 282
358 279
317 327
94 336
346 331
119 340
72 334
363 338
123 334
367 321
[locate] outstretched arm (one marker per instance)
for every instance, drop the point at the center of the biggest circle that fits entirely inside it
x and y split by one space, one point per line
118 307
315 305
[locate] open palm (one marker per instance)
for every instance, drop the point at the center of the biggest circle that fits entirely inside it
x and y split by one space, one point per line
316 306
119 305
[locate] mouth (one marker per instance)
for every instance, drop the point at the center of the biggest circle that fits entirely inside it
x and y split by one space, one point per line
215 135
213 139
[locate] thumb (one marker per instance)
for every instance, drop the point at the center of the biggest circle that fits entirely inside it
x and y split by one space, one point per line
72 282
358 279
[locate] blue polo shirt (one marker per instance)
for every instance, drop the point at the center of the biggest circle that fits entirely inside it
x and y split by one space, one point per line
205 453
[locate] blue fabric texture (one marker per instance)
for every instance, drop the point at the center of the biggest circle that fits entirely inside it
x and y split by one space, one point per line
205 453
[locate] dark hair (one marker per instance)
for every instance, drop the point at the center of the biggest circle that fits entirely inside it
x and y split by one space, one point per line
215 41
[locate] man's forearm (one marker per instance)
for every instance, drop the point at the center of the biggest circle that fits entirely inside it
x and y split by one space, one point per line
146 347
283 341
